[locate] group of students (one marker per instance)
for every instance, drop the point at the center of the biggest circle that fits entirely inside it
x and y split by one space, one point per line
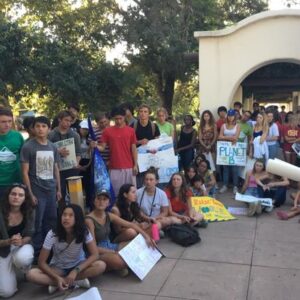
84 246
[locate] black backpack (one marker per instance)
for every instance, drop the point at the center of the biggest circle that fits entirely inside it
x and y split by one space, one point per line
183 234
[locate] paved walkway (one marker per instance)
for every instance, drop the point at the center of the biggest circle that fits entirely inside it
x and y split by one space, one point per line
249 258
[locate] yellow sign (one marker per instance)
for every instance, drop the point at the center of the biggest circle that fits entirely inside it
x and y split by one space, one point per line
212 209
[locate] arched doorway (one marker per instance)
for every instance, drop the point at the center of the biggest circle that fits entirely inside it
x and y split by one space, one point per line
228 57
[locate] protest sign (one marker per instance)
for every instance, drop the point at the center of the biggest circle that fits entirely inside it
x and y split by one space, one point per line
69 161
139 257
231 154
212 209
158 153
91 293
251 199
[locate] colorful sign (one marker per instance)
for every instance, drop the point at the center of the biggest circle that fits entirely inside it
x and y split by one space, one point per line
69 161
231 154
212 209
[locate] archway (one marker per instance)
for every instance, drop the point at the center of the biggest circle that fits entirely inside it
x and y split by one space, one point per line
227 57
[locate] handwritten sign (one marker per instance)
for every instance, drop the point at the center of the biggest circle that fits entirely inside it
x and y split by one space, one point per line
159 153
231 155
139 257
251 199
69 161
212 209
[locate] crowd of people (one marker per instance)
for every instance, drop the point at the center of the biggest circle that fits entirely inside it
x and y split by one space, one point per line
38 225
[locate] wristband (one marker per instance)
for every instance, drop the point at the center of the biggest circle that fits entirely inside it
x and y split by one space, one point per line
77 269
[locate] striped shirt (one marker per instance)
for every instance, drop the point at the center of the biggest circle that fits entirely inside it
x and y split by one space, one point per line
65 256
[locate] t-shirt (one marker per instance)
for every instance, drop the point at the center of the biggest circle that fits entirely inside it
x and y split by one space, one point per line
10 147
65 256
290 132
273 131
178 205
246 131
151 204
166 128
219 124
105 153
120 141
41 160
145 132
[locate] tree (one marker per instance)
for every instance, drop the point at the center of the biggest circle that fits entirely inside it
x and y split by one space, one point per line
159 34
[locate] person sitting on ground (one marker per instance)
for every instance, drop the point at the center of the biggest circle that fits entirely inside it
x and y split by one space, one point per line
180 198
189 174
128 209
154 202
250 186
208 176
198 187
68 266
16 229
295 210
273 186
99 223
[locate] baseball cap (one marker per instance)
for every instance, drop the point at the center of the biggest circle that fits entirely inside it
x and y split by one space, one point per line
103 192
231 113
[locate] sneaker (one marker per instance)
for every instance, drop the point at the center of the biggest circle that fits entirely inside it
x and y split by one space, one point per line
83 283
52 289
202 224
235 190
223 189
123 272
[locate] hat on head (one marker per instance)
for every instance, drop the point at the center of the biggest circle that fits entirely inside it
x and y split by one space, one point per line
231 113
103 193
84 124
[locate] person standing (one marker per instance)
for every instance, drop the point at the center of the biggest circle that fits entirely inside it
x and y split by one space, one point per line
39 158
163 125
62 132
121 140
11 142
273 136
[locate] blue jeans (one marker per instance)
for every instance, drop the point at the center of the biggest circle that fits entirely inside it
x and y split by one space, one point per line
278 194
273 150
235 176
45 216
252 191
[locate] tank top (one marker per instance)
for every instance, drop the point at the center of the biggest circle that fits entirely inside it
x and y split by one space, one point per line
229 132
12 230
102 232
257 133
252 182
185 138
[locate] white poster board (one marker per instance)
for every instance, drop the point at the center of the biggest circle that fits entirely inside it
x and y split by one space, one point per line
251 199
139 257
231 155
296 148
90 294
69 161
158 153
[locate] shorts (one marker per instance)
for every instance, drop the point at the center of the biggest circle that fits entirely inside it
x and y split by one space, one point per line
66 271
108 245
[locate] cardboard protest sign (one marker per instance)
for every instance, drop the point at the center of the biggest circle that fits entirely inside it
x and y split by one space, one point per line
231 154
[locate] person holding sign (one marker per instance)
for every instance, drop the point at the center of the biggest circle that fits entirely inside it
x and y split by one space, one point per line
64 132
230 132
99 223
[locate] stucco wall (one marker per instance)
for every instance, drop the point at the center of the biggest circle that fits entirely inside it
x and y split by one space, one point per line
226 57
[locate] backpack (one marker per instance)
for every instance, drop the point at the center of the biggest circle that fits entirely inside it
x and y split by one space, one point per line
183 234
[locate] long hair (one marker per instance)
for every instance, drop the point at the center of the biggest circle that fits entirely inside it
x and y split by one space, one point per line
182 191
259 161
127 210
265 125
80 230
25 208
187 179
211 121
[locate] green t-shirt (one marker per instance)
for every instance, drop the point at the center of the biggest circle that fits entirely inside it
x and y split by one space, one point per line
166 128
10 147
246 131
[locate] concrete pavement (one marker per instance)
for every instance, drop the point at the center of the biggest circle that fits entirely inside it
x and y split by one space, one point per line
255 258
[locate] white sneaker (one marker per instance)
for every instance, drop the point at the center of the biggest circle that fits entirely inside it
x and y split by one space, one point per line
223 189
84 283
235 189
52 289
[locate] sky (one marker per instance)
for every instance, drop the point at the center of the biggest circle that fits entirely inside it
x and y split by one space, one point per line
117 52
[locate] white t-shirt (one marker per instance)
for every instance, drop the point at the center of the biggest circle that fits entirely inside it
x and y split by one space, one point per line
151 204
65 256
273 131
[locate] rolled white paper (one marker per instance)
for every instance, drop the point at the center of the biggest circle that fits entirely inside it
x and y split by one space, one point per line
284 169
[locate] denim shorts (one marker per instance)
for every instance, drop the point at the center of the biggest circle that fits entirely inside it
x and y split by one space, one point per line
108 245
